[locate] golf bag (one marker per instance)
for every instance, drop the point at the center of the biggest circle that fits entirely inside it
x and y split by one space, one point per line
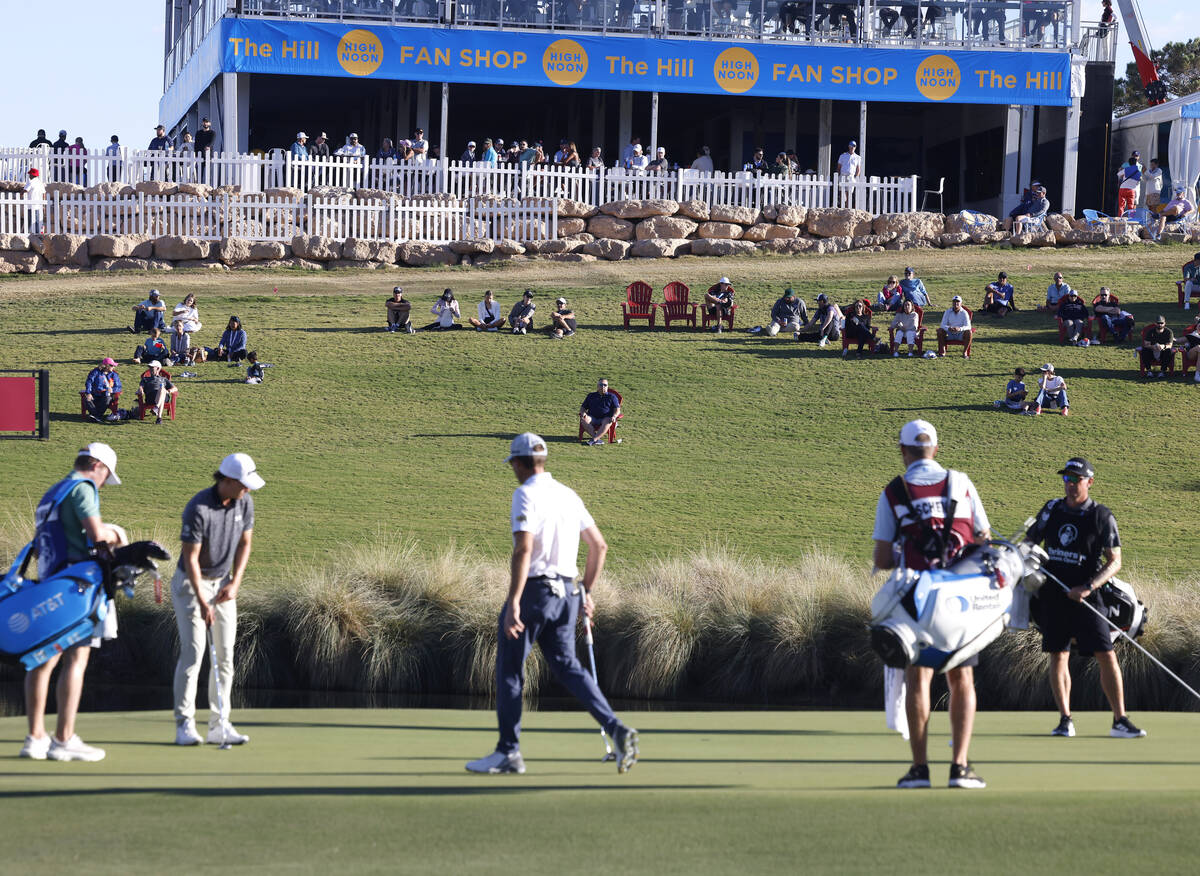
39 619
940 617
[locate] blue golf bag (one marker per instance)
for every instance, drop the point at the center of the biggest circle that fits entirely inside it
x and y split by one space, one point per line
39 619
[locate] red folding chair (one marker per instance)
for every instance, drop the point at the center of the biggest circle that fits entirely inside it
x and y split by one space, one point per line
637 303
144 405
964 342
676 305
1097 321
847 311
920 311
612 427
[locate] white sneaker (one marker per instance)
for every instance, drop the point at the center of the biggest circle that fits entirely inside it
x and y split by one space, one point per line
498 762
186 733
74 749
35 747
230 734
823 342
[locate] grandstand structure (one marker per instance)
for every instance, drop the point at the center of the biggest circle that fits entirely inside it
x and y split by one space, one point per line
976 97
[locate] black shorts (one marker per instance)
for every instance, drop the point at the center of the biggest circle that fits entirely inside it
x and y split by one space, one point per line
1062 620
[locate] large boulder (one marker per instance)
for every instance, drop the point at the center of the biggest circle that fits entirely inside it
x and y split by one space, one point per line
795 246
992 236
63 188
694 209
234 250
574 209
606 248
199 190
353 263
718 247
17 242
117 246
207 264
969 221
660 248
869 240
425 254
21 262
11 187
907 241
155 187
1058 223
473 247
316 247
838 222
124 264
1083 235
665 227
954 239
378 195
568 226
732 213
268 250
558 245
66 249
507 246
567 257
720 230
927 226
1035 239
770 231
105 189
834 244
283 193
610 226
631 209
791 214
181 249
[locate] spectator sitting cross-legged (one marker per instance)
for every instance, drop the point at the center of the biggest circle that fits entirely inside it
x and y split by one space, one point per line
999 297
1015 395
491 317
446 310
182 352
254 370
956 323
598 411
562 320
186 312
232 346
827 321
1074 315
789 312
891 296
718 301
101 389
154 347
906 324
521 315
153 389
149 314
1052 389
914 289
1108 310
399 309
1158 348
1054 293
858 328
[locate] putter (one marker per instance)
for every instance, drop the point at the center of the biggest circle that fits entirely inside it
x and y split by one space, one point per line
587 628
212 656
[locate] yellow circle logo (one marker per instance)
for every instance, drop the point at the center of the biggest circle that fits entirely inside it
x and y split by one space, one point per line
360 53
564 62
938 77
736 70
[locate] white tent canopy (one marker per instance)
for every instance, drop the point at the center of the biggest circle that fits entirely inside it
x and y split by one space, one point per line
1146 130
1183 150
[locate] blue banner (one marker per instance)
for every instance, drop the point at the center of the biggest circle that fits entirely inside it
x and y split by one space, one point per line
633 64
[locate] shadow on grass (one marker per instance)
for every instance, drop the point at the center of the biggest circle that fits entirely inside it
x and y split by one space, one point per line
356 791
506 436
345 330
80 331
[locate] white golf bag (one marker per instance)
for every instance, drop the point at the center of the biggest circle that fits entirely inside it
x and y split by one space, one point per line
940 617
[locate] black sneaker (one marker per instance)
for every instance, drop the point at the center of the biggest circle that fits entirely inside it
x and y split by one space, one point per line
916 777
625 745
1066 727
965 777
1123 728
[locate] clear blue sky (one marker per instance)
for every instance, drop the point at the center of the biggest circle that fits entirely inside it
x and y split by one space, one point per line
94 67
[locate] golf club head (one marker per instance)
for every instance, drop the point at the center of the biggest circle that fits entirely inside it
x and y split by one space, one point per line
224 746
608 758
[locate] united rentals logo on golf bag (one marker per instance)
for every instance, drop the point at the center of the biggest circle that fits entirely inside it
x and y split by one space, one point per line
44 618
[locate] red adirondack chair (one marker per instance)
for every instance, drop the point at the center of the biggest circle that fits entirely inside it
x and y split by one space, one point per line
1101 327
964 341
637 303
676 306
144 405
1180 285
847 312
920 311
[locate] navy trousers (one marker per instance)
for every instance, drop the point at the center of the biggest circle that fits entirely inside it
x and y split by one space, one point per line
550 621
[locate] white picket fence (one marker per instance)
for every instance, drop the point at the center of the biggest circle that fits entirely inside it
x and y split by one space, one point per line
254 173
258 218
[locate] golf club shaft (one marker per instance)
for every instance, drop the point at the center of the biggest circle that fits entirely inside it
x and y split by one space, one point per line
212 656
1128 637
587 629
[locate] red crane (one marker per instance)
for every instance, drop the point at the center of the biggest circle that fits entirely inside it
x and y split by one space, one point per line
1156 90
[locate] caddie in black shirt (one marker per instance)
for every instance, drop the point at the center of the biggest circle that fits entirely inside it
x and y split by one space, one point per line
1084 547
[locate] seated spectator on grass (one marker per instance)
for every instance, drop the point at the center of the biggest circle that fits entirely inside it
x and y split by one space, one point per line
1177 210
1191 280
906 324
789 312
1030 211
101 388
858 328
1015 394
562 320
891 296
398 310
254 371
1191 352
1158 348
1074 315
1119 322
956 325
718 300
598 411
1054 293
1052 389
153 391
149 314
913 289
446 311
185 312
521 315
182 352
491 317
827 321
232 346
154 347
999 297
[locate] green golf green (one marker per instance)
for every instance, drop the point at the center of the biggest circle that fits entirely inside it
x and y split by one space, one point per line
715 792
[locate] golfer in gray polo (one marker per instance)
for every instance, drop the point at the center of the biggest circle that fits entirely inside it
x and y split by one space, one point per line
218 526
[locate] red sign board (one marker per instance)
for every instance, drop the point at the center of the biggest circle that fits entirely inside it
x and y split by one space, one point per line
18 404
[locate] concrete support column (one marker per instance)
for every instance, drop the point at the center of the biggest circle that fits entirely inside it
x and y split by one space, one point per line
1026 174
653 153
1010 184
737 127
624 122
1071 158
862 135
228 138
443 146
824 138
243 112
598 106
423 106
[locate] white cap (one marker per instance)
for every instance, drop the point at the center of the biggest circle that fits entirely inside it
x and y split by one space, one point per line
100 451
637 147
910 435
241 468
526 444
560 300
661 150
302 136
470 142
154 363
1049 366
956 298
725 280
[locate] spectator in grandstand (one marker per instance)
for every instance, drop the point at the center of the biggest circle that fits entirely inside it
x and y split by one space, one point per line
858 328
206 138
718 301
1129 183
789 312
468 156
1030 211
850 162
999 297
891 296
319 147
572 158
113 153
906 324
78 166
187 146
1154 184
659 163
153 389
637 161
596 159
627 152
562 320
61 144
1107 18
781 167
827 321
101 388
300 146
1108 311
398 312
154 347
489 153
528 155
1054 293
185 312
1158 348
703 162
35 197
914 289
1052 389
521 315
148 314
539 154
386 150
756 164
1015 394
446 310
232 346
561 155
352 148
160 142
1179 208
490 316
40 140
956 324
1074 315
420 146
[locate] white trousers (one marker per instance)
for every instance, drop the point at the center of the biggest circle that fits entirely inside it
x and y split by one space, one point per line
904 337
193 645
773 327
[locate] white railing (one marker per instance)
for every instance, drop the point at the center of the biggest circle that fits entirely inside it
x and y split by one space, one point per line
259 218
